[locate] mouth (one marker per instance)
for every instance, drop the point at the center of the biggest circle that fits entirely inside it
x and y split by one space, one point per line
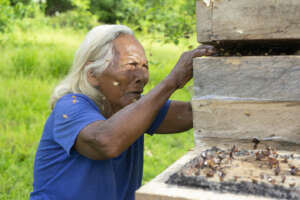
136 93
139 91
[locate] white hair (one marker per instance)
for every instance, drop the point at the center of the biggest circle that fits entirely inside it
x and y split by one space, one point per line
95 53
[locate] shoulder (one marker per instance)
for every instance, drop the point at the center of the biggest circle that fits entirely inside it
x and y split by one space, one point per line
72 106
74 101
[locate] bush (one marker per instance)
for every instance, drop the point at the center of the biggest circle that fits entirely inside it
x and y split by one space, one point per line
6 14
105 10
15 2
54 6
12 11
76 19
175 19
31 10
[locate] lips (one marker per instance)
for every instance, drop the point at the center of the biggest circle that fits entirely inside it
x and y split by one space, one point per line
136 93
139 92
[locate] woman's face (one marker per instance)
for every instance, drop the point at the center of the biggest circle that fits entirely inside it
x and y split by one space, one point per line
123 81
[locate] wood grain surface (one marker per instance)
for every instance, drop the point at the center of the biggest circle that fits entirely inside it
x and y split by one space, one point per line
247 97
219 20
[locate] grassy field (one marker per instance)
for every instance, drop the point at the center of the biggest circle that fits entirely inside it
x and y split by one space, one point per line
31 64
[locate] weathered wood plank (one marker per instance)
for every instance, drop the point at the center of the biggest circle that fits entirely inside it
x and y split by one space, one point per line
204 19
248 20
246 97
246 120
262 77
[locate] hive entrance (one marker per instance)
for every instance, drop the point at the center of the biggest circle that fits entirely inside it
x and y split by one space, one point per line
257 47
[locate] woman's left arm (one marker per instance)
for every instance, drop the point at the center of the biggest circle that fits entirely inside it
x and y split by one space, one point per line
179 118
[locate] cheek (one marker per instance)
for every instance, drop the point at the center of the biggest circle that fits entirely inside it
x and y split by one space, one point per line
124 72
123 80
109 86
146 77
109 89
120 78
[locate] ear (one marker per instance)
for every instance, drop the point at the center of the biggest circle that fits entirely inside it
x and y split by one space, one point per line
92 78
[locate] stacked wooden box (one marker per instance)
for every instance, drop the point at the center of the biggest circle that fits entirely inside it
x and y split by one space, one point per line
241 97
248 96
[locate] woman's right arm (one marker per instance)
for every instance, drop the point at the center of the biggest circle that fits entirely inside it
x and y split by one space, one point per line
107 139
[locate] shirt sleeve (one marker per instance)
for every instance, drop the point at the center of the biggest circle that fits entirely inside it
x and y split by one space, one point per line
72 114
159 118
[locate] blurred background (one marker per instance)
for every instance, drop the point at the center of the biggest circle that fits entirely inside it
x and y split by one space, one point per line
38 39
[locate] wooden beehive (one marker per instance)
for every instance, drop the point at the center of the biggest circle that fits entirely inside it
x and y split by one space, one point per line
247 97
221 20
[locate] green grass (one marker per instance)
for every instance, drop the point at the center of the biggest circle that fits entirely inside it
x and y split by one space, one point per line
31 64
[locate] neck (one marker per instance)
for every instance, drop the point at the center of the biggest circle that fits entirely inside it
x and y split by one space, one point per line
108 109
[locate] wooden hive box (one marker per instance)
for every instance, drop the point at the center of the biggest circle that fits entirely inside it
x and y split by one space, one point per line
223 20
247 97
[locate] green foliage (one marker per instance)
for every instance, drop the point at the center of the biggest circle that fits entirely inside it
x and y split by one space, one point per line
21 111
26 11
81 4
105 10
51 58
175 19
25 63
78 19
11 12
15 2
58 6
5 2
6 14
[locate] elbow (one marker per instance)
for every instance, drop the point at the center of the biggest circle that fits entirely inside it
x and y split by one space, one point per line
107 148
111 153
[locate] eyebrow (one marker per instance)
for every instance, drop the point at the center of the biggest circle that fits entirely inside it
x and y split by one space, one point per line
135 58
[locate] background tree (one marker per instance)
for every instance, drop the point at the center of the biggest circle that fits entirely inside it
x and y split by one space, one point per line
174 19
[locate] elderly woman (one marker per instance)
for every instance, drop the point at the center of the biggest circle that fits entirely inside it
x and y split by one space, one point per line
93 141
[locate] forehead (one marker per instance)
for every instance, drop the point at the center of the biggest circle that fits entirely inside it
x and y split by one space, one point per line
128 46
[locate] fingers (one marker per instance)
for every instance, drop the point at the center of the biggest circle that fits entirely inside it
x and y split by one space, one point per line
208 47
204 50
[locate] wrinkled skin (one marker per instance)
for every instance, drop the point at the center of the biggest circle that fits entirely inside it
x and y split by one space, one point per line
124 80
122 84
183 71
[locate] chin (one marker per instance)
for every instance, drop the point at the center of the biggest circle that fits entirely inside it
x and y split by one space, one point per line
131 100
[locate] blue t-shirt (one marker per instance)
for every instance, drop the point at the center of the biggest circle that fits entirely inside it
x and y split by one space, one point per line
61 173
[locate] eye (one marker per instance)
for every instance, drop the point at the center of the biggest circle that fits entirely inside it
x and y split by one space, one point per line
145 66
135 64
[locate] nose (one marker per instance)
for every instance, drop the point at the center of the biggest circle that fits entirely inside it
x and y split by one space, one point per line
141 77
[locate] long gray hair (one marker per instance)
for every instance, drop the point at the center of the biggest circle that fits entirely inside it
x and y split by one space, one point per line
96 53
